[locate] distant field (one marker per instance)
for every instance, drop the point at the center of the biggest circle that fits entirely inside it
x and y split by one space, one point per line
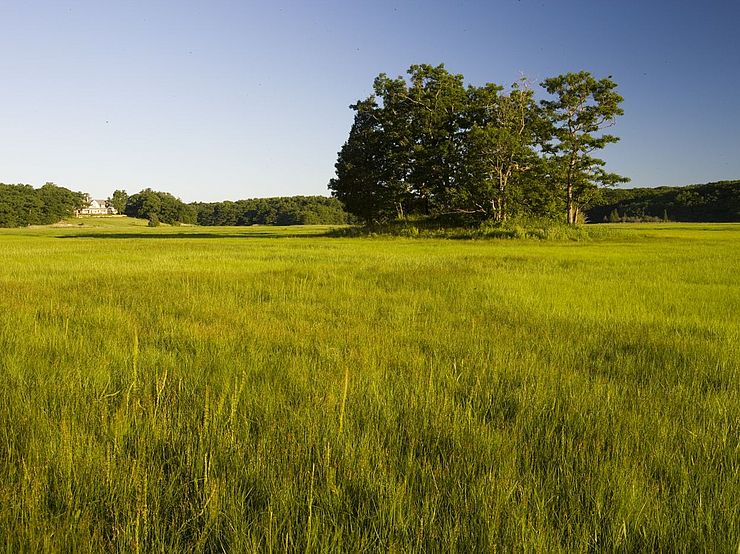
270 389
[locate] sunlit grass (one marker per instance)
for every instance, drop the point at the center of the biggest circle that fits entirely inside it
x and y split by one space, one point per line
237 389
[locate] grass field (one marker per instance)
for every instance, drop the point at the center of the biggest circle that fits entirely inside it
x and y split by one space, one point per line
261 389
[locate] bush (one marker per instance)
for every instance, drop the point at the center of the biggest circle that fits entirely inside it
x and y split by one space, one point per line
153 221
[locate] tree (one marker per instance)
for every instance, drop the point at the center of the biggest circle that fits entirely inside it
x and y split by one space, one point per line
22 205
166 207
366 179
500 144
403 154
118 200
582 108
426 145
437 104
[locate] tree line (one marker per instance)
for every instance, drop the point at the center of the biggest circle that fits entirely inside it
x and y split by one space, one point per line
294 210
428 145
710 202
22 205
291 210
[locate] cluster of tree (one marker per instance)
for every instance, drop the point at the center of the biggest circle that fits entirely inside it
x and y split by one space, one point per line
155 206
293 210
718 202
22 205
429 145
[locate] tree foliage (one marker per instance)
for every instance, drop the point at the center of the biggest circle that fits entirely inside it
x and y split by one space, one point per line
500 146
294 210
22 205
163 206
428 145
118 200
710 202
583 107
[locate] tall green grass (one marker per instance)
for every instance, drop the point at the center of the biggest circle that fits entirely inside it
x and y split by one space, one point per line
231 389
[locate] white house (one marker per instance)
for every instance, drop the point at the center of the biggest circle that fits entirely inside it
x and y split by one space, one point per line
97 207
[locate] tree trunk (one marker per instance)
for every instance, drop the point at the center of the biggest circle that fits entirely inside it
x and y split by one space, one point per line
571 206
502 201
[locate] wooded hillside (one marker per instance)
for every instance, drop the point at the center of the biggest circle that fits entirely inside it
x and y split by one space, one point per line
710 202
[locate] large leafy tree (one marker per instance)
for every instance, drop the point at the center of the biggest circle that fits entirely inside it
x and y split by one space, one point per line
404 151
500 145
427 145
583 106
58 202
162 206
22 205
364 180
437 102
118 200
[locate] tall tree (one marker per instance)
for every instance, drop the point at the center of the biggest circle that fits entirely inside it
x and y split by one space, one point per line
437 102
582 108
118 200
500 144
403 154
363 181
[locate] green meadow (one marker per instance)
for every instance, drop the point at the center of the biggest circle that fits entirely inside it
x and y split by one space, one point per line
224 389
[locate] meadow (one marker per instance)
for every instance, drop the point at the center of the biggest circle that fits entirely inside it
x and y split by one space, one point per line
187 389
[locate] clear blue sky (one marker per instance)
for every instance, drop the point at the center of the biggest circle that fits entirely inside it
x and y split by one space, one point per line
219 100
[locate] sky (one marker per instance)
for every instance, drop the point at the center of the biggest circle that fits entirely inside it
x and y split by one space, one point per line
218 100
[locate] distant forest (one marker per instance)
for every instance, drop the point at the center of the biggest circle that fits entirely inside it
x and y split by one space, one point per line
290 210
23 205
710 202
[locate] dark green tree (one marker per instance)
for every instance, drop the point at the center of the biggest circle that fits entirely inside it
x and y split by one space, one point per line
500 146
58 203
22 205
118 200
582 108
367 175
426 145
719 201
437 104
166 207
294 210
404 152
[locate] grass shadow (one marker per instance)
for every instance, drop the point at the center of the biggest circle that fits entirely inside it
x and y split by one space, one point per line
253 235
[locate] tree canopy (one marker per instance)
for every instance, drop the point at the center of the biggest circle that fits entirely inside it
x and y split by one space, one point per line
22 205
429 145
710 202
118 200
293 210
162 206
582 108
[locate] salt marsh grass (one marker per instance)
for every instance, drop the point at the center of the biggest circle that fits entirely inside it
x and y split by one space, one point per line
229 389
